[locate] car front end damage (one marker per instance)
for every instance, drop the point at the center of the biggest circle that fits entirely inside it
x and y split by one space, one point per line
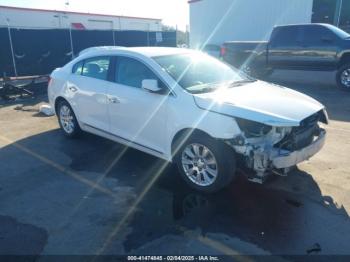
275 150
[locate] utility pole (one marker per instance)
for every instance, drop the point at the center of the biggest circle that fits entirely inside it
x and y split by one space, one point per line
338 10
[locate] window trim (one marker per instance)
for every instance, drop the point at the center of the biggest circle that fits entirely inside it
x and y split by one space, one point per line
113 63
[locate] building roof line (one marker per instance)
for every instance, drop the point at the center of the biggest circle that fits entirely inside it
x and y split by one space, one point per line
73 12
193 1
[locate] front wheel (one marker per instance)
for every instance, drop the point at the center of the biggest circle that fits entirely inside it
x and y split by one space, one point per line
206 164
343 77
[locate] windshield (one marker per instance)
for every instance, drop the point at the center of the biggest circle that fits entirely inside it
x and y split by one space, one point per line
198 73
340 33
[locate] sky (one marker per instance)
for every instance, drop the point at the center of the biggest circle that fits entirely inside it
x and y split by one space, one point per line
172 12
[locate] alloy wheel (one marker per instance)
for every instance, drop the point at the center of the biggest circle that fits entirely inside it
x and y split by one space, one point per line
199 164
345 78
67 119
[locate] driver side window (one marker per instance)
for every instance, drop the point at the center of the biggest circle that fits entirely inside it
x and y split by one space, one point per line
131 72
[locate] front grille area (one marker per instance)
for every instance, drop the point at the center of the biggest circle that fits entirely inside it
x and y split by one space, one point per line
301 136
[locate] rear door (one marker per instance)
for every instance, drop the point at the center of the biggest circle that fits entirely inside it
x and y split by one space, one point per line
88 85
284 49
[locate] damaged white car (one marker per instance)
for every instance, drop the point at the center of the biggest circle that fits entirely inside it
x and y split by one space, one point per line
189 108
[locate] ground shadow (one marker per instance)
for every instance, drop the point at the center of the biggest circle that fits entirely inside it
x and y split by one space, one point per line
276 220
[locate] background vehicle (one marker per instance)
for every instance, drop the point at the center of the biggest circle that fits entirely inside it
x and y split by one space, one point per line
300 47
189 108
213 50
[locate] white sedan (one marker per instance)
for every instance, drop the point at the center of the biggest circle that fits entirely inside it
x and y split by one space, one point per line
189 108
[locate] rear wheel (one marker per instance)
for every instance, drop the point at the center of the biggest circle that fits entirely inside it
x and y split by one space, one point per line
205 164
343 77
67 120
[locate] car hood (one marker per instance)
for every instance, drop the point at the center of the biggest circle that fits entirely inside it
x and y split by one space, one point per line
261 102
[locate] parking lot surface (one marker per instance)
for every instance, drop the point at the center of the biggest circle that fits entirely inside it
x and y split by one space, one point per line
93 196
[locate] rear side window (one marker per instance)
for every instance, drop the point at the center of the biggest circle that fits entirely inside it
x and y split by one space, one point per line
285 36
131 72
78 68
96 67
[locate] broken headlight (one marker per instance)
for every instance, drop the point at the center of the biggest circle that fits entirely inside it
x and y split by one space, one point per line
252 128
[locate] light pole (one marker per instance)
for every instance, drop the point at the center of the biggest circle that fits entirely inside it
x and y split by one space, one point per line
70 30
339 7
11 45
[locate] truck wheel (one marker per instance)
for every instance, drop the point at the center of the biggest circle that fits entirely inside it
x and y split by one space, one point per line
343 77
67 120
205 164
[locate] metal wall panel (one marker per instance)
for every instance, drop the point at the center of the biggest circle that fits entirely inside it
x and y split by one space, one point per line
215 22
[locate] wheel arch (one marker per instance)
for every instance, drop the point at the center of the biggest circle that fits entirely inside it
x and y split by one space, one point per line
344 59
182 135
58 100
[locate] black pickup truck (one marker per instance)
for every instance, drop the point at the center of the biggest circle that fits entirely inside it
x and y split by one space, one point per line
320 47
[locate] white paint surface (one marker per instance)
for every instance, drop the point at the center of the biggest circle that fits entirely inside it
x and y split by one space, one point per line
215 22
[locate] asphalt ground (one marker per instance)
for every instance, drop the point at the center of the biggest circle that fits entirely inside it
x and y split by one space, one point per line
91 196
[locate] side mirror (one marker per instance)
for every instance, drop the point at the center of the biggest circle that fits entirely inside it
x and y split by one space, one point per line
151 85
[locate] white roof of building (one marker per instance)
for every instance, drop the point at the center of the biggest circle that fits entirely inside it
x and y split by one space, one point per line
74 12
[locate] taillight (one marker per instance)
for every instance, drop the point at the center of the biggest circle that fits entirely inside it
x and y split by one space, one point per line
49 82
222 51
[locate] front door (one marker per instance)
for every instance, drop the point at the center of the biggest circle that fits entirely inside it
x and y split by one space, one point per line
137 115
320 48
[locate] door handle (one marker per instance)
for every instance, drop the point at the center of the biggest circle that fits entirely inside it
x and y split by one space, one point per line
72 88
113 100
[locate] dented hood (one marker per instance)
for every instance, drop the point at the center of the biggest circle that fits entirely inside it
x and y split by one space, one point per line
261 102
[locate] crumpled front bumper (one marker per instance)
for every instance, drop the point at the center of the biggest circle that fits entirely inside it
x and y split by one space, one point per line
265 159
283 159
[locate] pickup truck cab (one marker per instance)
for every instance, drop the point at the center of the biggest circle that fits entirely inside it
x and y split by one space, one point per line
321 47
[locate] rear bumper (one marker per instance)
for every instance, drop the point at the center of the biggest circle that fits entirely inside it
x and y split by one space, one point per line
283 159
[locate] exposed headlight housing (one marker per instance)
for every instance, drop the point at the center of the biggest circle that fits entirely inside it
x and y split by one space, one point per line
323 116
252 128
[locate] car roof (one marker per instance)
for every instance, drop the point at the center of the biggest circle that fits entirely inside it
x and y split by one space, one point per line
146 51
158 51
309 24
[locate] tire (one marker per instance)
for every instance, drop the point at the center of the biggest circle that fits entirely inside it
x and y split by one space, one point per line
69 126
343 77
200 173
